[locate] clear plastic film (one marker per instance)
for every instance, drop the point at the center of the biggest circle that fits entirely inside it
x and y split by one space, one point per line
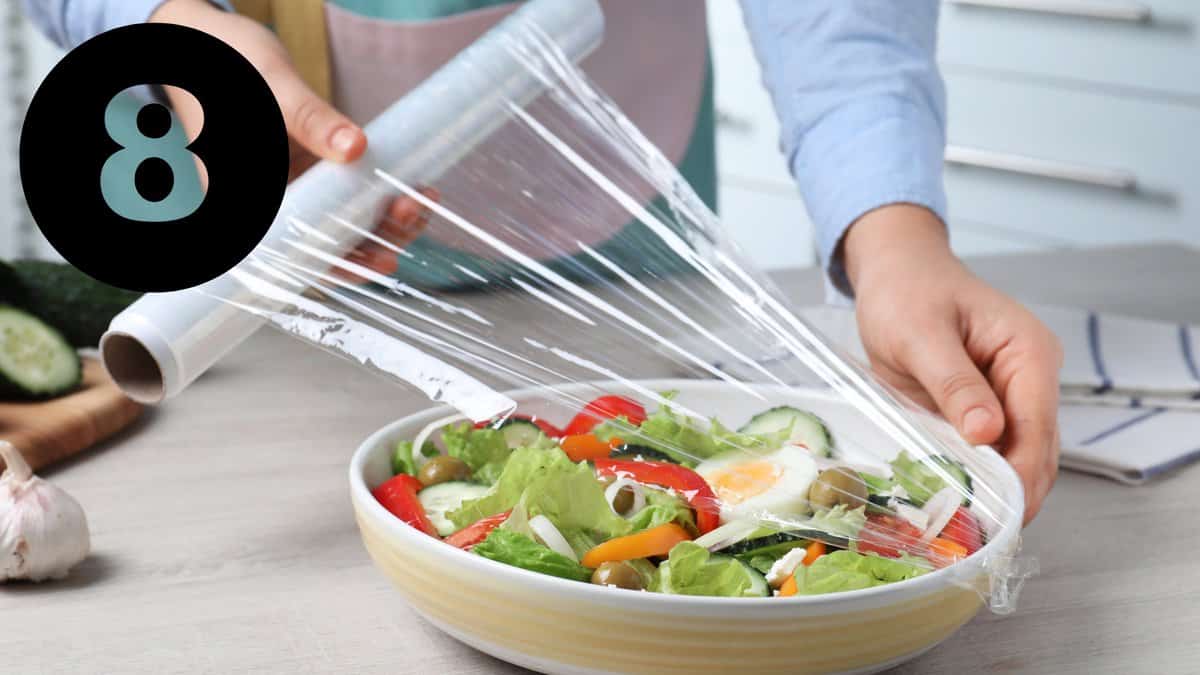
559 252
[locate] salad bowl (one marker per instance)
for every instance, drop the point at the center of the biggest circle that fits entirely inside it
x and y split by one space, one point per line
555 625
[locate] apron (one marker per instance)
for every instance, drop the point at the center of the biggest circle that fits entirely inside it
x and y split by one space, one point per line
653 63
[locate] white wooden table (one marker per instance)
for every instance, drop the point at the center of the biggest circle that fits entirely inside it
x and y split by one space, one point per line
224 540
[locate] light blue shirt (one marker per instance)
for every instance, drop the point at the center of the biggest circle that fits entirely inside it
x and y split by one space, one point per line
855 84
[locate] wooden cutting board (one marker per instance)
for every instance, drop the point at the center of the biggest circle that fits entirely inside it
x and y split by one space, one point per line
49 431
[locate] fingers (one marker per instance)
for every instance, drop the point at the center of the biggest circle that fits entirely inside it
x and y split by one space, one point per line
314 124
1032 442
402 223
940 363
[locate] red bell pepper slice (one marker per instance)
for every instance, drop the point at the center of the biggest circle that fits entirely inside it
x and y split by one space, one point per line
546 427
889 536
399 496
476 532
964 529
605 408
689 484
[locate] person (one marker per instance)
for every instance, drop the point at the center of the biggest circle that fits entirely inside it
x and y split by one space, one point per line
862 110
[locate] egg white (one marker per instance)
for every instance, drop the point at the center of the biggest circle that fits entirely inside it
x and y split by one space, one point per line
787 496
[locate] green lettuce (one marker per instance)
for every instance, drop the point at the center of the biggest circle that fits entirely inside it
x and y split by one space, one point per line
402 458
684 439
692 570
518 550
546 482
876 485
484 450
840 521
850 571
661 508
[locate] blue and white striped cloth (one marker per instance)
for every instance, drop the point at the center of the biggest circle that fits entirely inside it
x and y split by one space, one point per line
1130 388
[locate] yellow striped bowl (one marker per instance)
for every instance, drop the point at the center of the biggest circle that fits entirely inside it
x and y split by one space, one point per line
558 626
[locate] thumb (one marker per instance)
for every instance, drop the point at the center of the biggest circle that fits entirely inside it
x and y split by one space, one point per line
942 366
315 124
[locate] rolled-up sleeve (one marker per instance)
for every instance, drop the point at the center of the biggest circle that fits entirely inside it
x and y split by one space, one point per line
861 105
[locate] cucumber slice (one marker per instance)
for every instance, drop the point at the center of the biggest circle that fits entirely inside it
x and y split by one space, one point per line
36 361
519 433
807 429
443 497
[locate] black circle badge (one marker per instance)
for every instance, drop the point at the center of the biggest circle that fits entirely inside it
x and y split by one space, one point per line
113 182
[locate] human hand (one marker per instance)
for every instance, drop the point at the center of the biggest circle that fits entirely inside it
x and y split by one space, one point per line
955 344
316 130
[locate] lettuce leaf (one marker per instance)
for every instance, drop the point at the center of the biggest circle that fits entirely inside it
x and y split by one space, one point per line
546 482
840 521
684 439
484 450
662 507
692 570
402 458
850 571
518 550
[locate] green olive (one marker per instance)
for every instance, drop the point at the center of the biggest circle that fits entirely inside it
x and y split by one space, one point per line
619 574
623 500
443 469
838 485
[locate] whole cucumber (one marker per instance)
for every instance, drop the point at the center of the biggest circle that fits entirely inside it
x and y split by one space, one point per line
64 297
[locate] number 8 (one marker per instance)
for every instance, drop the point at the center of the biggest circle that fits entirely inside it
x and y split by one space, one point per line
118 175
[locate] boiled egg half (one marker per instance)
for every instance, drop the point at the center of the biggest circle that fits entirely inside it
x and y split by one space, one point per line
754 485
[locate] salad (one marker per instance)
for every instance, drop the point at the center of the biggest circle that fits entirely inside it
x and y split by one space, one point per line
659 502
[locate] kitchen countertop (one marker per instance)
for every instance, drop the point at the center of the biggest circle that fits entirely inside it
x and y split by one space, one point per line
224 540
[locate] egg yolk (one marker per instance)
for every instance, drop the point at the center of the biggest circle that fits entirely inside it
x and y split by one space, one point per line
736 484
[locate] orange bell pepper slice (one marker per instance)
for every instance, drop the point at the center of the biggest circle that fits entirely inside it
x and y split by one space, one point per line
789 587
582 447
814 550
654 541
946 552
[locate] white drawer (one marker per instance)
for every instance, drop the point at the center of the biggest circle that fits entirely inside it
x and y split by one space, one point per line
1082 136
1066 39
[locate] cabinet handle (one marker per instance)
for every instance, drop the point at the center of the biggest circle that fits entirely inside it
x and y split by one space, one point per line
1131 12
1114 179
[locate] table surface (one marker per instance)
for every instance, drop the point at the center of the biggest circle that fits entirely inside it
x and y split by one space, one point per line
224 540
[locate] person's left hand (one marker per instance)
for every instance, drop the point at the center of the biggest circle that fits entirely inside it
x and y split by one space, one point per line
955 344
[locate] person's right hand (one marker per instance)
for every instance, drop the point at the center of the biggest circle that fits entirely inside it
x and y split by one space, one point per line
316 130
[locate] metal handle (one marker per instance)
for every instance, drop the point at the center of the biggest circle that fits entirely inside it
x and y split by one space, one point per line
1115 179
1130 12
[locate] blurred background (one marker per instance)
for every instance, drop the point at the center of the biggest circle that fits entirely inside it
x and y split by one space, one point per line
1073 123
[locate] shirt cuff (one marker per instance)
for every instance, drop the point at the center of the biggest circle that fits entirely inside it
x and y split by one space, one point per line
864 157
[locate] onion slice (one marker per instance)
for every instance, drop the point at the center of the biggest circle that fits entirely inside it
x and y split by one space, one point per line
727 535
419 442
639 495
551 537
940 508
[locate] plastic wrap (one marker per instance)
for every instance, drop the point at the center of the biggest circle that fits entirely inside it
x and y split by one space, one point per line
560 250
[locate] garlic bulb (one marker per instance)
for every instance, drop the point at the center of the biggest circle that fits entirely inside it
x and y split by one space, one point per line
43 531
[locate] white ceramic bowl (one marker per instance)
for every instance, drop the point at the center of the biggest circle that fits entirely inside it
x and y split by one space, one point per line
559 626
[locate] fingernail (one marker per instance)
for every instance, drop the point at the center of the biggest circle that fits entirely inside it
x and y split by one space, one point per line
343 140
975 420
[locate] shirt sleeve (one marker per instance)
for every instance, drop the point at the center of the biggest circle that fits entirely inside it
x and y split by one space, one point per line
861 105
69 23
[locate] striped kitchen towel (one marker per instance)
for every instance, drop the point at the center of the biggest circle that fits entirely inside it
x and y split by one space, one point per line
1130 387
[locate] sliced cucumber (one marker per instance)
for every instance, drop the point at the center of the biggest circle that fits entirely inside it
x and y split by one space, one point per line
630 451
779 543
521 433
36 361
806 428
443 497
758 582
